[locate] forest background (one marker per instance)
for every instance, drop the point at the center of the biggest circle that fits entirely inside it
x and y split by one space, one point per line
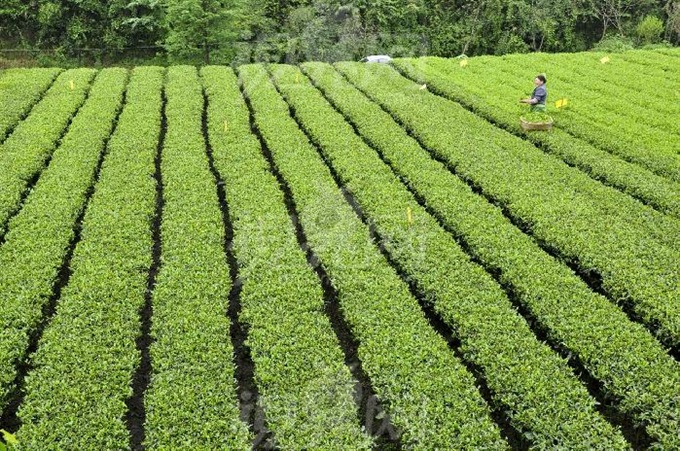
76 32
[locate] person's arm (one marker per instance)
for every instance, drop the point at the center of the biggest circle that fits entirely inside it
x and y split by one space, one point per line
534 97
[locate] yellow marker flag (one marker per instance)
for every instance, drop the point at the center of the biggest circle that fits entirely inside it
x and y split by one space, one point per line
409 215
561 103
73 85
463 63
297 78
226 126
604 59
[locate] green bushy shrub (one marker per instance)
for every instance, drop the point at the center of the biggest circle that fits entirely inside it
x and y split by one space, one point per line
614 43
649 30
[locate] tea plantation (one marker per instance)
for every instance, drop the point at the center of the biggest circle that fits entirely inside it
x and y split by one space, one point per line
349 256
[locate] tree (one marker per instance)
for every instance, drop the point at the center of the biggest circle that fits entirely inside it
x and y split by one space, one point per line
325 31
672 10
198 29
142 21
615 13
398 27
15 15
69 26
649 30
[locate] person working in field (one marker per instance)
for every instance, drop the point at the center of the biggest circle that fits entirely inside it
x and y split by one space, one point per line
538 97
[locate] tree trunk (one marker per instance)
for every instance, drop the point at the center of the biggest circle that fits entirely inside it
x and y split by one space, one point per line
206 48
206 43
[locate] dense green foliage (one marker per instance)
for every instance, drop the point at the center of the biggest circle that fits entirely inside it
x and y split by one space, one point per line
64 24
532 190
206 257
291 31
305 388
25 152
87 356
200 29
192 287
39 235
20 89
493 336
650 29
431 395
583 323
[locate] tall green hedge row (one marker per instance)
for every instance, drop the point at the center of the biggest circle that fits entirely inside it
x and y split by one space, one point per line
83 369
304 387
40 235
25 152
191 400
563 209
634 368
486 89
529 382
21 89
429 394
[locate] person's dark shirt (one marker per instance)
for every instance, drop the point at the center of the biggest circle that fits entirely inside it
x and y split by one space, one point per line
540 94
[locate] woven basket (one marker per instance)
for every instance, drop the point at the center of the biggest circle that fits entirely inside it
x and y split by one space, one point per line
526 125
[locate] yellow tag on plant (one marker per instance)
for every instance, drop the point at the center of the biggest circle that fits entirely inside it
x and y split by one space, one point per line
604 59
423 88
409 215
561 103
463 63
73 85
226 126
